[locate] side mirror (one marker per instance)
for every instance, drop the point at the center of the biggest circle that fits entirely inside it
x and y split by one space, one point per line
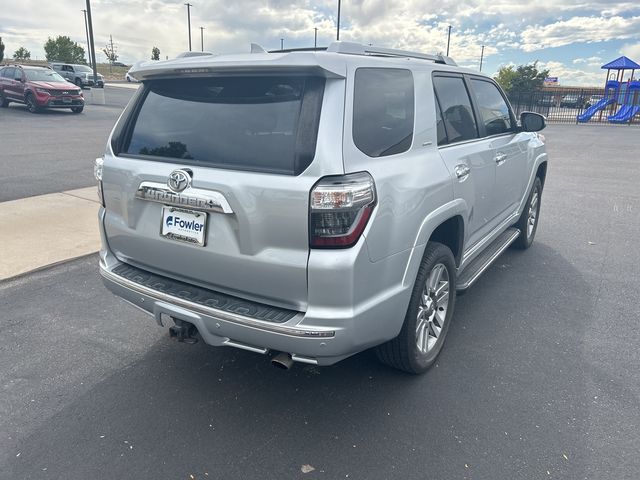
532 122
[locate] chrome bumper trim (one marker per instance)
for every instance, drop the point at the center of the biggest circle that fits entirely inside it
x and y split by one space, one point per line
212 312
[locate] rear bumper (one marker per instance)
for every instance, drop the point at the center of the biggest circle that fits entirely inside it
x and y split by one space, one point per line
324 334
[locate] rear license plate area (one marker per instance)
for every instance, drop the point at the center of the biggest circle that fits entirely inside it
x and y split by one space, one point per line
182 225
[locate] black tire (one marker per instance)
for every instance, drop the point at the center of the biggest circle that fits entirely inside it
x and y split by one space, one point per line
402 352
4 103
77 109
78 83
31 104
527 234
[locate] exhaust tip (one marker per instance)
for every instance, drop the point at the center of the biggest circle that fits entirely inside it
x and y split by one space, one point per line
282 361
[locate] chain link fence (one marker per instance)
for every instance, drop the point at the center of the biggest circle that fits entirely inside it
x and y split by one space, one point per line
566 105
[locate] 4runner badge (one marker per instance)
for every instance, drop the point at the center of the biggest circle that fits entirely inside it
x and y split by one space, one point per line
179 180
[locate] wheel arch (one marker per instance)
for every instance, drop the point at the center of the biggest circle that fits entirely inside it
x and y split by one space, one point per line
445 225
541 172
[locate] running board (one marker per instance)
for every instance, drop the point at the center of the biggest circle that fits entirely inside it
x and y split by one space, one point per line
483 261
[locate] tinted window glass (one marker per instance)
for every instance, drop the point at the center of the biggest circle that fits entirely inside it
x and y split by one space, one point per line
9 72
18 74
494 111
456 109
248 123
383 111
442 133
44 75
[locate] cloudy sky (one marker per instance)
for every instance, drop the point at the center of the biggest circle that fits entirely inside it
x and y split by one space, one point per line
572 38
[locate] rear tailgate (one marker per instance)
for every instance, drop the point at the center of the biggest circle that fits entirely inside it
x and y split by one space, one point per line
249 149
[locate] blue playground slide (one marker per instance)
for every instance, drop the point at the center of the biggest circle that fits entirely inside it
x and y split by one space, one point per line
590 112
626 113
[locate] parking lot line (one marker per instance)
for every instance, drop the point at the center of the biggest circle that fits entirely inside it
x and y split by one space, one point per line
47 229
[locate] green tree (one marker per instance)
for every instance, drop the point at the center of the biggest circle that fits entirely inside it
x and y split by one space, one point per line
63 49
22 54
155 53
523 78
1 50
111 55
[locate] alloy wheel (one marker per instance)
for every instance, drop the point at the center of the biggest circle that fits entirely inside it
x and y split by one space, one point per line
432 310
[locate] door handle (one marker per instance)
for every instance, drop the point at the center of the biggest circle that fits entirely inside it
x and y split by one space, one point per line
500 158
462 171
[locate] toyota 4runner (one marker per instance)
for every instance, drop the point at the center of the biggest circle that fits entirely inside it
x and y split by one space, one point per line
313 204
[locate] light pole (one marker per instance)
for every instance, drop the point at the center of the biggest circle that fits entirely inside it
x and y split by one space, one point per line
315 38
481 57
86 28
202 38
189 22
448 40
338 32
91 44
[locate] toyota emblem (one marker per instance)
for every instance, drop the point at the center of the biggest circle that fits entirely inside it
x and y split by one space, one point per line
179 180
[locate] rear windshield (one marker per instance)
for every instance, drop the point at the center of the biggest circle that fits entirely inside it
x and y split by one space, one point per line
265 124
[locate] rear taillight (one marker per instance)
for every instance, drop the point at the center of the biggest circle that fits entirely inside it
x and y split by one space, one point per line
97 172
339 210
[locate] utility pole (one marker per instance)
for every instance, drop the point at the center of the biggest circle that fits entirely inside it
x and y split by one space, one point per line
189 22
315 38
448 40
338 32
86 28
92 44
481 57
202 39
111 52
282 44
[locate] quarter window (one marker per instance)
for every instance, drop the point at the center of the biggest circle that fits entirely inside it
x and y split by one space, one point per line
457 113
383 111
494 111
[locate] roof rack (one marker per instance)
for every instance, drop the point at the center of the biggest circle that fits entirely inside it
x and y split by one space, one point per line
304 49
352 48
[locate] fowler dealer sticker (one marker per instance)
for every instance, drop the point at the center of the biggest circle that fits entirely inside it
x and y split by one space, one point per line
184 225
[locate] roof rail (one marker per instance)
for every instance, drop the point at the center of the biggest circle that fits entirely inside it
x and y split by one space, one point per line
303 49
352 48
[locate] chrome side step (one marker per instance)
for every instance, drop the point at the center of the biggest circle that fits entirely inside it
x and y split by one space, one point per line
479 264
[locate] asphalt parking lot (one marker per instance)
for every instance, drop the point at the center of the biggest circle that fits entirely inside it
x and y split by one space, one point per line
55 149
539 378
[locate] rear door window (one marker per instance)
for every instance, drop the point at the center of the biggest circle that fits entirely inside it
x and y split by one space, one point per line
383 111
267 124
494 111
9 72
457 113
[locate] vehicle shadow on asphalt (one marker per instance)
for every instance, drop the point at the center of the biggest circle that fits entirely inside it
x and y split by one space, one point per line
505 400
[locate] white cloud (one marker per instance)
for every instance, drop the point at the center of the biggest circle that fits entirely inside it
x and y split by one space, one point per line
579 30
590 77
632 51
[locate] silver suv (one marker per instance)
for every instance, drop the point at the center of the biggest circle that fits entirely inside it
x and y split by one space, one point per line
312 204
81 75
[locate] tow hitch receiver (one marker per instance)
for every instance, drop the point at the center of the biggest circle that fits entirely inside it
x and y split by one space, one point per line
185 332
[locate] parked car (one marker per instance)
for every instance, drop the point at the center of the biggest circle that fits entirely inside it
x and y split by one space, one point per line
118 64
128 77
593 99
80 75
546 100
38 88
299 204
572 101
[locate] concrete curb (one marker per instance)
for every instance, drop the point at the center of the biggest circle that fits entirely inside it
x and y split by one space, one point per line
47 229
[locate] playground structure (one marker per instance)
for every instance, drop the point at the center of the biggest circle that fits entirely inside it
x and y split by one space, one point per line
626 95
